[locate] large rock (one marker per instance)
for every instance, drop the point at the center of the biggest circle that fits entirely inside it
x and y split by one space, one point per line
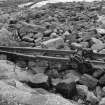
53 35
66 35
73 75
55 43
92 98
13 94
99 92
102 51
9 70
21 63
100 30
47 33
98 73
75 45
96 44
3 57
66 90
88 81
37 67
40 80
102 102
82 90
102 80
6 38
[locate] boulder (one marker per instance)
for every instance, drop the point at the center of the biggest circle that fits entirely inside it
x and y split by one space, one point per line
6 38
3 57
21 63
75 45
102 80
92 98
66 35
56 43
73 75
47 33
28 39
38 35
53 35
53 73
7 69
88 80
39 80
100 30
11 94
96 44
102 51
84 44
82 90
67 90
99 92
98 73
102 102
37 67
97 47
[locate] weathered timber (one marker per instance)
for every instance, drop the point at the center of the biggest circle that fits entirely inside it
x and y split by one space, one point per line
98 56
32 50
96 64
32 57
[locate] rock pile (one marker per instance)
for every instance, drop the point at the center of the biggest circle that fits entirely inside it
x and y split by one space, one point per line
61 26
